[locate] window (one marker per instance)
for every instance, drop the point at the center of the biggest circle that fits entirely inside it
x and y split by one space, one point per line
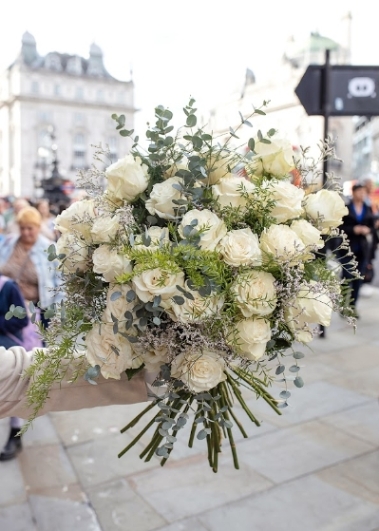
57 90
35 87
53 62
100 95
44 116
78 118
79 146
79 94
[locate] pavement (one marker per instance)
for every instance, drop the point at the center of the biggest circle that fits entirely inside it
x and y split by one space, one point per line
315 468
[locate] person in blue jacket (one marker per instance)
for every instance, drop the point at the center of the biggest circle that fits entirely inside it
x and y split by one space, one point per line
10 336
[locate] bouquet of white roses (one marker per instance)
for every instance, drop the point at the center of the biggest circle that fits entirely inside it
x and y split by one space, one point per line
201 265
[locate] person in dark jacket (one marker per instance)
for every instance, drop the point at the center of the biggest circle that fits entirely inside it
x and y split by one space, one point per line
358 224
10 332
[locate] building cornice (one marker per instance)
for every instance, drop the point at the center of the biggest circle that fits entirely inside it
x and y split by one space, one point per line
68 103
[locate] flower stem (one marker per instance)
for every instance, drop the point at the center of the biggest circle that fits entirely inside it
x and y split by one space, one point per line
224 391
138 417
240 399
136 439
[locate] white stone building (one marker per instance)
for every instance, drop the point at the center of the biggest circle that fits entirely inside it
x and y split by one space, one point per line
65 94
285 112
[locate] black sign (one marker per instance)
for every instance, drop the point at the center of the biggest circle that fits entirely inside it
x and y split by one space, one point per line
353 90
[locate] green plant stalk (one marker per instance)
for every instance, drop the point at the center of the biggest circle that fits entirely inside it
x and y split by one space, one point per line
240 399
224 399
157 437
215 436
232 443
174 433
139 416
194 427
259 389
137 438
209 445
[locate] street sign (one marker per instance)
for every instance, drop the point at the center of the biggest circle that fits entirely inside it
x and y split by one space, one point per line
353 90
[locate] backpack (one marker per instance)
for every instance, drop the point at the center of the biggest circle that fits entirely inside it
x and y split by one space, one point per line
30 336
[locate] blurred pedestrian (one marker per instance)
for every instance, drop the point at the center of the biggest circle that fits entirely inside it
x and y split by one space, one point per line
11 223
358 224
11 336
48 220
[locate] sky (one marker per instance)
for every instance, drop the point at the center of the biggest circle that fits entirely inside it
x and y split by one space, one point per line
177 49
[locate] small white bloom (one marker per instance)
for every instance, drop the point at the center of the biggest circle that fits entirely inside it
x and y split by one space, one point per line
127 178
240 247
118 306
310 306
155 282
152 358
250 337
196 309
275 159
161 198
229 191
287 199
254 293
199 371
326 208
213 228
78 217
105 229
112 352
109 263
281 243
159 237
75 251
308 234
217 167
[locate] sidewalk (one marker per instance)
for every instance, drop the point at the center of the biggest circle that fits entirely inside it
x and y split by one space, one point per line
316 468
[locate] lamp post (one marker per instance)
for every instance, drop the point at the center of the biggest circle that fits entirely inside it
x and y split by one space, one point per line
52 186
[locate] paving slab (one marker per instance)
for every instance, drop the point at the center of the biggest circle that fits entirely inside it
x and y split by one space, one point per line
118 507
189 487
63 515
17 517
12 487
299 450
307 504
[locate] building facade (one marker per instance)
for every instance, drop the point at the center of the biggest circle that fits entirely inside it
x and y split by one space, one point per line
285 112
57 103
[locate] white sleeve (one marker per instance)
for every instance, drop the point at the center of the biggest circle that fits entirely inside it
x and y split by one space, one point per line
63 396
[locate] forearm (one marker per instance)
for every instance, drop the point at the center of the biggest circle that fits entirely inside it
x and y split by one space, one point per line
63 396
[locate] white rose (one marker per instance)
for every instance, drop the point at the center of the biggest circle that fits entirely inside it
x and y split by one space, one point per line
105 229
308 234
254 293
217 167
161 197
78 217
326 208
109 263
159 236
310 306
174 168
112 352
275 158
250 337
127 178
282 243
118 306
152 358
287 199
196 309
155 282
240 247
199 371
75 251
212 226
229 191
